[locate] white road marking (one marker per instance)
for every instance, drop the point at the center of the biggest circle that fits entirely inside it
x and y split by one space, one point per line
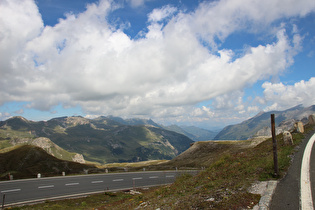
69 184
13 190
137 178
47 186
153 177
306 192
118 180
169 176
94 182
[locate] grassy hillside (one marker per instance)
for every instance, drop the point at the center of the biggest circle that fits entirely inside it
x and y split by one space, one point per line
204 153
44 143
27 161
101 140
223 185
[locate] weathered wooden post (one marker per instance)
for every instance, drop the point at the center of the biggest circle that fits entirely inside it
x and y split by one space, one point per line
274 143
3 201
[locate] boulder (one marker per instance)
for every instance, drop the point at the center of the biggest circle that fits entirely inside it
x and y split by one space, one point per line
311 119
287 138
299 127
78 158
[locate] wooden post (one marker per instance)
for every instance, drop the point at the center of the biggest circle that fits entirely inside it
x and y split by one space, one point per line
3 201
274 143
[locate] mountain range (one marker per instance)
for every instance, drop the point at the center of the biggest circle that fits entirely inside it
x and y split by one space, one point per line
102 140
258 124
193 132
114 139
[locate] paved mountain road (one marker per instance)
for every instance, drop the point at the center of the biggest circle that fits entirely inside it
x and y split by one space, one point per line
31 190
287 193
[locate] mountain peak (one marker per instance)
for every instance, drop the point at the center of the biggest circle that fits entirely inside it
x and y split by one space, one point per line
19 117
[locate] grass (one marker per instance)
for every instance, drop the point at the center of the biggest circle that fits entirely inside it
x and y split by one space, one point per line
135 164
223 185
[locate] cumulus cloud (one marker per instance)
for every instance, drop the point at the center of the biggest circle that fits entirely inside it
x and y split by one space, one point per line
286 96
84 60
237 15
159 14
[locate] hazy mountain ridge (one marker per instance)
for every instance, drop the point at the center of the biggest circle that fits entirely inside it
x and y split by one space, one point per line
102 139
195 133
133 121
250 127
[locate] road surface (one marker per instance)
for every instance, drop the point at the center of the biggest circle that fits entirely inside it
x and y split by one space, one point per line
40 189
288 192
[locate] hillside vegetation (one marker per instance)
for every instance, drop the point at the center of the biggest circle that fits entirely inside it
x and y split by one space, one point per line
27 161
223 184
101 140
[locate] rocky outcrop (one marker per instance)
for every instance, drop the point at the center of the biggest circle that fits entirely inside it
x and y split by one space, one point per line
258 123
78 158
289 125
50 147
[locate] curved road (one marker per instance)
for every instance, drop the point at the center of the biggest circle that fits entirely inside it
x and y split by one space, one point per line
33 190
288 192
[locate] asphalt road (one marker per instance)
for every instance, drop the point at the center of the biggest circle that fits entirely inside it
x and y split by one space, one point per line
287 193
32 190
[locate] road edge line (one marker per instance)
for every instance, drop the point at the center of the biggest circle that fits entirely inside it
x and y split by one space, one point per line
35 201
306 199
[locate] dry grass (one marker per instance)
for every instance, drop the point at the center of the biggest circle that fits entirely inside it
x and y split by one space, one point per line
135 164
223 185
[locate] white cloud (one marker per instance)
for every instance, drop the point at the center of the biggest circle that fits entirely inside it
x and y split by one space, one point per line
20 22
282 96
159 14
83 60
4 116
236 15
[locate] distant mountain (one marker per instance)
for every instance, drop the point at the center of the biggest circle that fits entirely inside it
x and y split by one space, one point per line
250 127
103 140
133 121
195 133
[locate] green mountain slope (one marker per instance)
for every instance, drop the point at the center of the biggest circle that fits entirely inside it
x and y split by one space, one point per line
27 161
102 140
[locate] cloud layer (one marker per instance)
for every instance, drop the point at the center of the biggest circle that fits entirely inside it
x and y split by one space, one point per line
170 67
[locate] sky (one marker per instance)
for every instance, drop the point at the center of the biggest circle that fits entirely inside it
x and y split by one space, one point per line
203 63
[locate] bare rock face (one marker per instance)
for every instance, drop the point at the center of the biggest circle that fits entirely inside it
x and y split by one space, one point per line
286 125
42 142
287 138
266 131
50 147
78 158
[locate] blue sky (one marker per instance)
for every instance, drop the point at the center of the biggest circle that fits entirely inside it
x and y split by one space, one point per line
203 63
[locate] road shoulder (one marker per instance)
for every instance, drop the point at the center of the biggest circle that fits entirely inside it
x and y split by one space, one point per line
287 192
